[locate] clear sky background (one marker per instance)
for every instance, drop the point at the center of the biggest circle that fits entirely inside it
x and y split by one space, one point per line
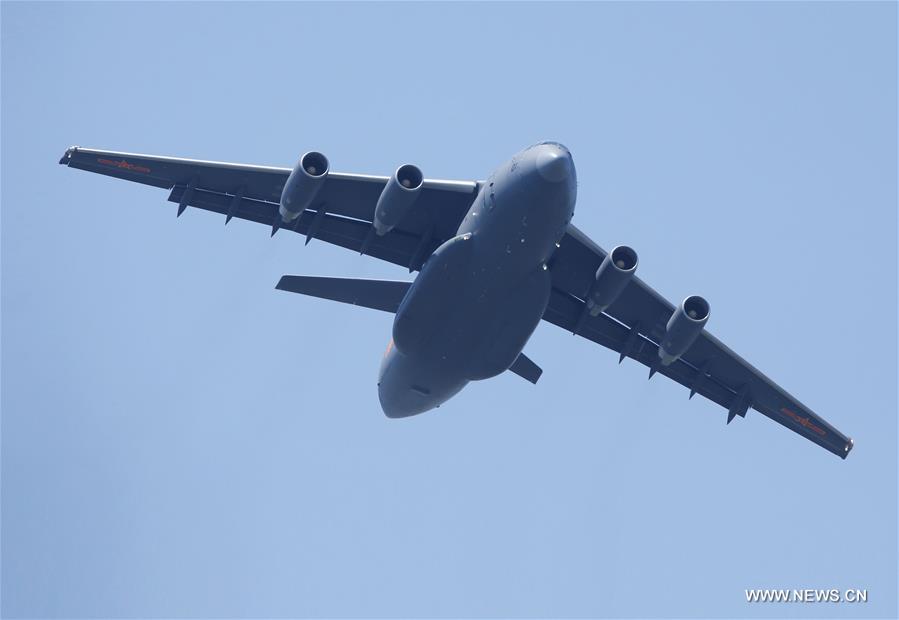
180 439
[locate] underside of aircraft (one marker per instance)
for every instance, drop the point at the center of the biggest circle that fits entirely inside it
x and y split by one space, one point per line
493 257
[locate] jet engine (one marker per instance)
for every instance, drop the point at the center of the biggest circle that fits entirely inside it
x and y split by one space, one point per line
303 184
683 328
397 198
613 274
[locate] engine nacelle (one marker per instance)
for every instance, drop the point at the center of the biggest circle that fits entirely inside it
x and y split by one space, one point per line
683 328
614 273
303 184
397 198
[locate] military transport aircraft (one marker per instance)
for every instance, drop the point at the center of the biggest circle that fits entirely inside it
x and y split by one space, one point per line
494 258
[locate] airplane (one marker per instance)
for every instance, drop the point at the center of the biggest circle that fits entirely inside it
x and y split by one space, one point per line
493 257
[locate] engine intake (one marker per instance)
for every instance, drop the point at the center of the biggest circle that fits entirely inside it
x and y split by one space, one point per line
683 328
303 184
614 273
397 198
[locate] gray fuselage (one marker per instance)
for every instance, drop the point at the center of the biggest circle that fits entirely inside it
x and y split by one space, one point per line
482 293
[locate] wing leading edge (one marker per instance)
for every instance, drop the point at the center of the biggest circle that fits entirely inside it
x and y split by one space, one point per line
634 326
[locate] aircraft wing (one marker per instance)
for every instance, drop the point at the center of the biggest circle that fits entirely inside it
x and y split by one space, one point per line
341 214
708 367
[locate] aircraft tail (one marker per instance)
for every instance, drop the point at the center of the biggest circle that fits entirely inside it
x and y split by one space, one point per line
525 368
384 295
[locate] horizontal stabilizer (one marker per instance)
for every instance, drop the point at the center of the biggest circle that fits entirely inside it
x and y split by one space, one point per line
383 295
526 369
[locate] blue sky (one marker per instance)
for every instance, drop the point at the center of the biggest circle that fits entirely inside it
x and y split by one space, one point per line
180 439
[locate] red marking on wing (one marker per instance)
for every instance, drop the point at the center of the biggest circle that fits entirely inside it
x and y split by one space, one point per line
804 421
123 164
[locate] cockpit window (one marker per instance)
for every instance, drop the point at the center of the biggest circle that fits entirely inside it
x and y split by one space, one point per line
552 142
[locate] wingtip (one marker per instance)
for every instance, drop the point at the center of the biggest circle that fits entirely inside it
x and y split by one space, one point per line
848 448
67 156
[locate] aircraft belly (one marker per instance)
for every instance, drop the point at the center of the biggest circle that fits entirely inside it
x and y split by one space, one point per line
436 301
513 314
467 315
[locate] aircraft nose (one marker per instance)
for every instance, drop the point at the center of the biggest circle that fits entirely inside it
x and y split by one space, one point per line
554 162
